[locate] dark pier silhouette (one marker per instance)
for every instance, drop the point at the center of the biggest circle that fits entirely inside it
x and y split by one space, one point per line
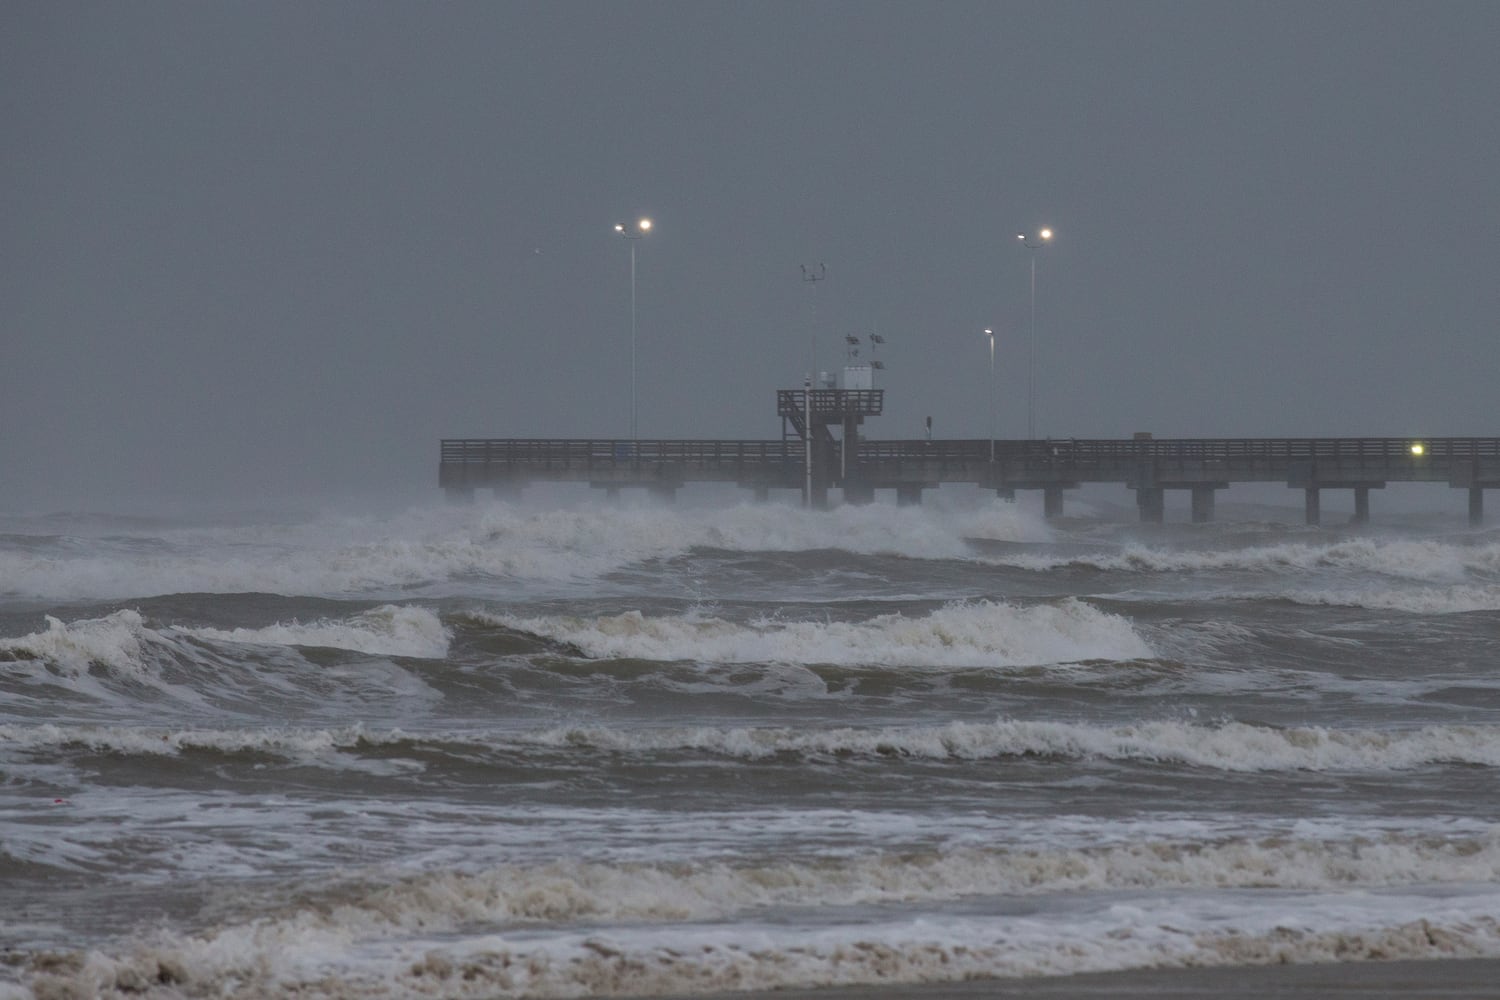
811 459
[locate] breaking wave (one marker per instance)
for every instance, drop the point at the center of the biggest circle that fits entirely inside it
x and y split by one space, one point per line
302 744
432 546
1456 599
122 641
112 659
1231 746
397 939
389 630
1408 559
966 634
663 892
1227 747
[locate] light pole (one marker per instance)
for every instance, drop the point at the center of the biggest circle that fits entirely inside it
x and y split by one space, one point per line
991 334
641 228
1043 237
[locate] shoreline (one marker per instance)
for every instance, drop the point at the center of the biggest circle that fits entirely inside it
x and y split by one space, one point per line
1433 979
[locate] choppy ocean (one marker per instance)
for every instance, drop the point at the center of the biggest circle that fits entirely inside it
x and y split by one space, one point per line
570 750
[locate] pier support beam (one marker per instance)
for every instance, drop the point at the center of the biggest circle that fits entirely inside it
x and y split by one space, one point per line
1203 504
1052 502
762 494
1313 506
1007 494
1361 505
1152 503
909 495
1476 505
459 494
663 492
859 493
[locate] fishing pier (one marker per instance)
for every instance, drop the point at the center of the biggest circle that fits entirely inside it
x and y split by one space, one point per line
811 458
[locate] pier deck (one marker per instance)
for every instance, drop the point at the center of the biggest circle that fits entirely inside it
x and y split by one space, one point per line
1148 466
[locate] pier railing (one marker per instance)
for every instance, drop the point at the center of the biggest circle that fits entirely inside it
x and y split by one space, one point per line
1259 457
826 402
550 452
1190 449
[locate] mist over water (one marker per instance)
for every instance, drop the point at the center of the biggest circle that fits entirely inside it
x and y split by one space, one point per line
505 750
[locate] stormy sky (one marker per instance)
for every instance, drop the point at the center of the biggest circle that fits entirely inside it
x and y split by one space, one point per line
256 250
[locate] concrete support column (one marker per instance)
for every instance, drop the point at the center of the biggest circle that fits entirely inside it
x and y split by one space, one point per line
909 495
663 493
821 444
1007 494
859 493
612 493
1052 502
509 492
762 494
1361 505
1476 505
1203 504
1152 501
1314 507
459 494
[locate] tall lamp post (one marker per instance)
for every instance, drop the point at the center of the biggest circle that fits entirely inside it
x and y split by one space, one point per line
632 234
1042 238
991 334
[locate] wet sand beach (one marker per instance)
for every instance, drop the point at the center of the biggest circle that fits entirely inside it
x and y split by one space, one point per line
1430 980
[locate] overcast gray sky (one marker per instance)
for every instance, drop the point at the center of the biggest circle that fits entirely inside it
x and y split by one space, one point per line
253 249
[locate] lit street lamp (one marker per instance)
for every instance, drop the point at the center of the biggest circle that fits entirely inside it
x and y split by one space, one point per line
991 334
1043 237
640 229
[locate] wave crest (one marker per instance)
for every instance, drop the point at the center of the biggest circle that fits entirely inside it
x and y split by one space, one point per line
966 634
1231 746
1408 559
389 630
